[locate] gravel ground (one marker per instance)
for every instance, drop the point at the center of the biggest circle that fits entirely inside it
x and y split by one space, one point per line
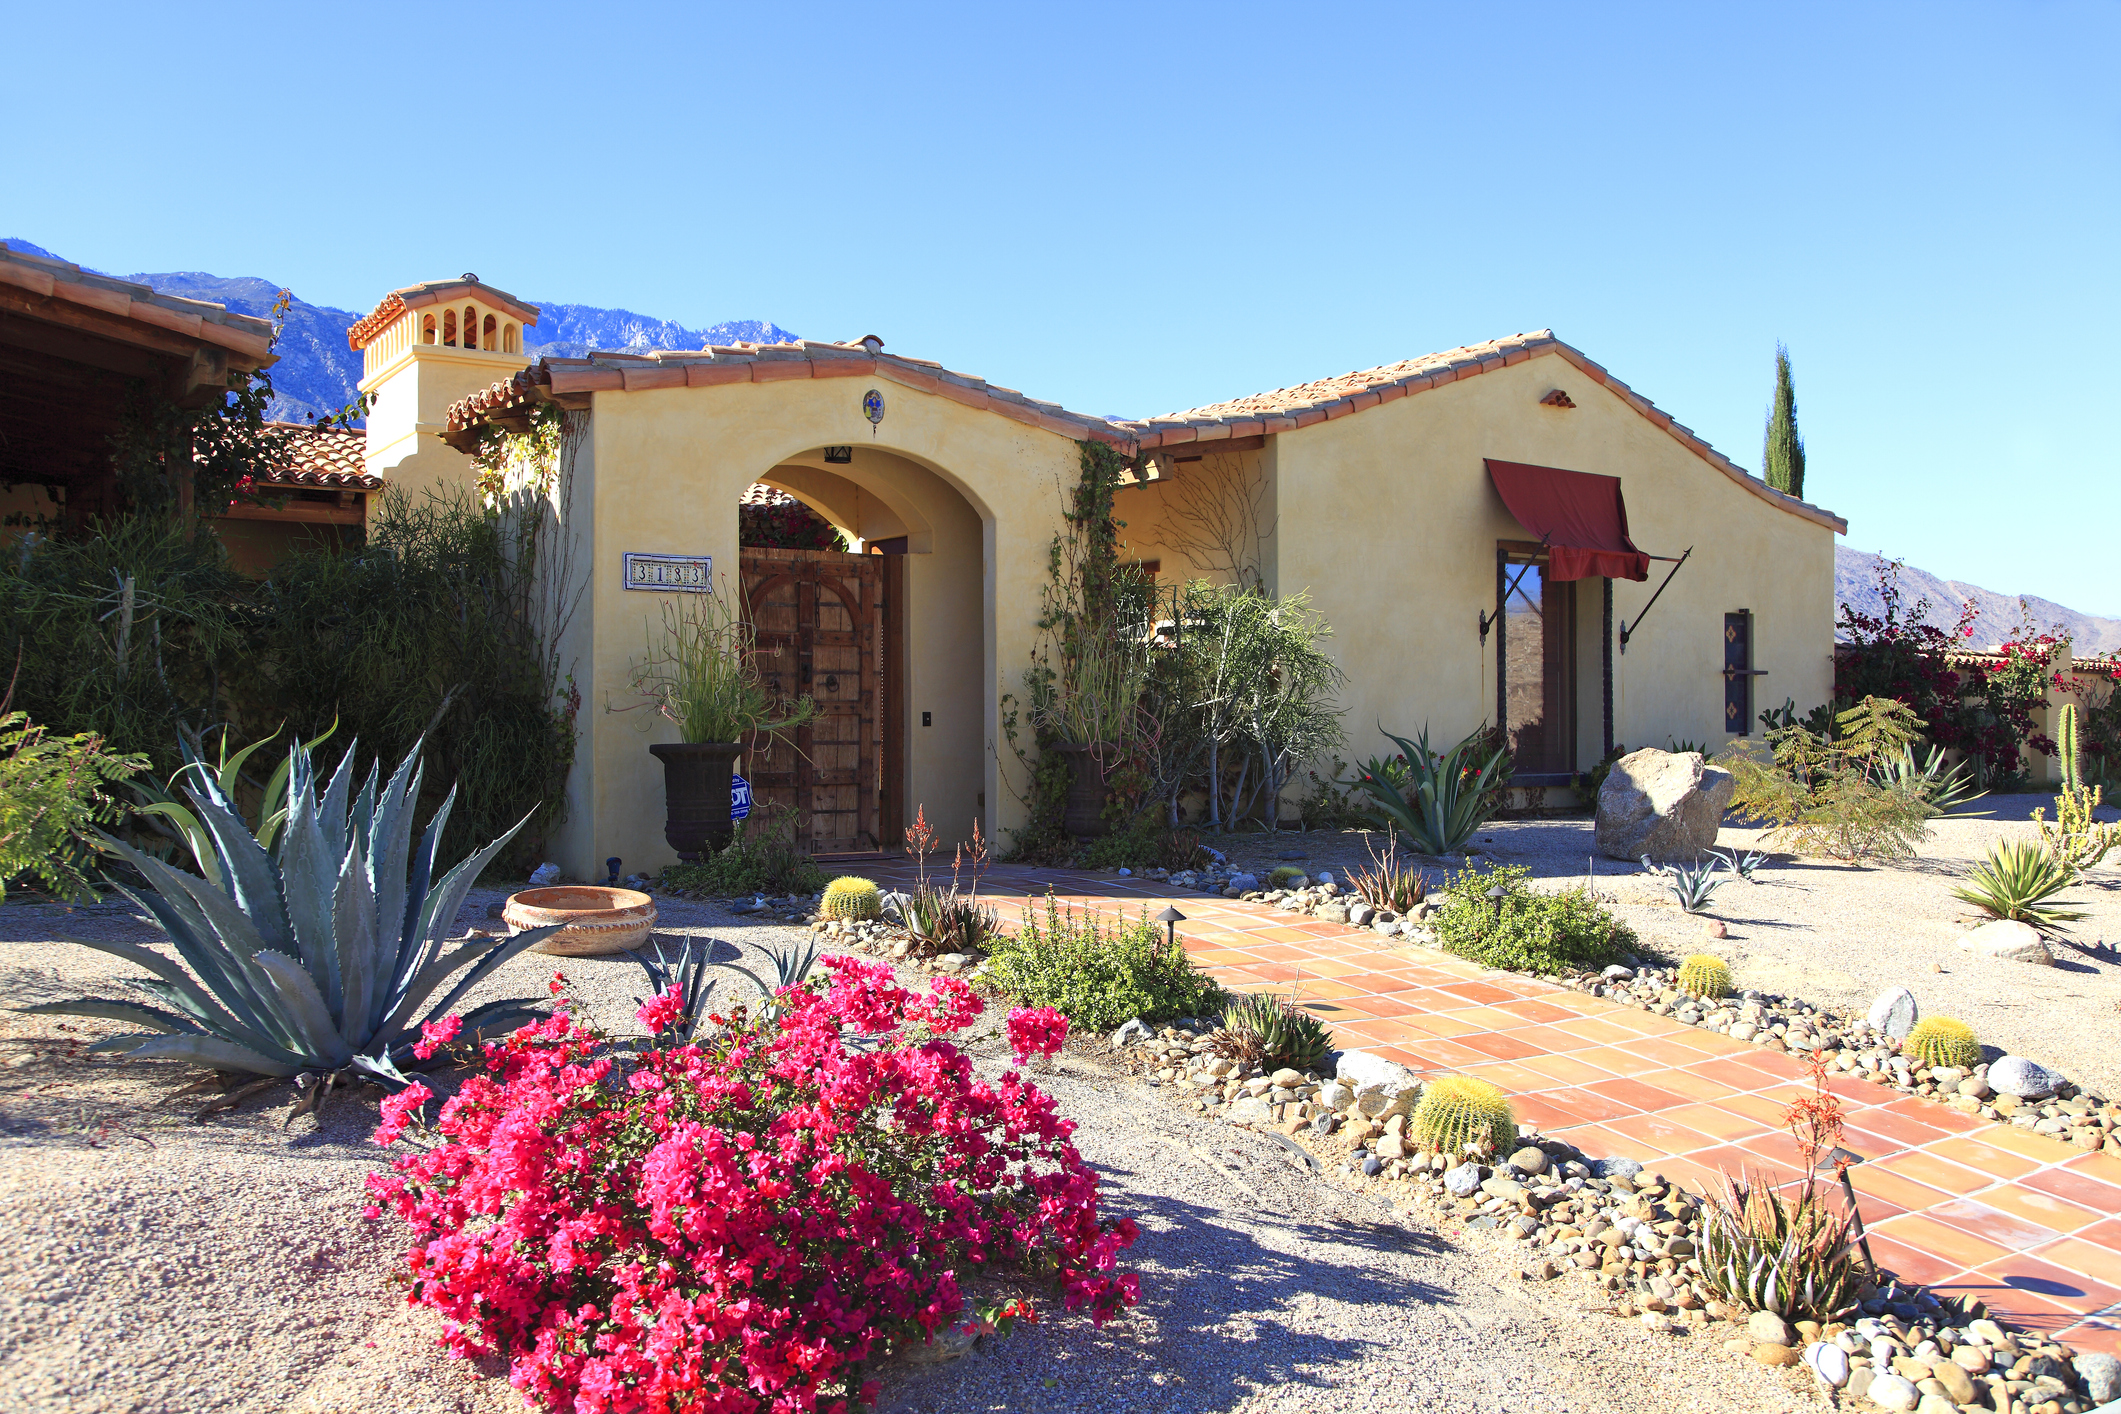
1838 935
160 1264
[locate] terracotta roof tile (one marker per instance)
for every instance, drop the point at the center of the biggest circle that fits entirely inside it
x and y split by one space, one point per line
760 494
429 292
1282 410
199 319
332 457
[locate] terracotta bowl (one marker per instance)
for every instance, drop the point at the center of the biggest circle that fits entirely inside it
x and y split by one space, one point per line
598 920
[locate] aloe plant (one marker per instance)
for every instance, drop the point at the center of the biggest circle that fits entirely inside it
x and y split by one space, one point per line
1450 794
318 958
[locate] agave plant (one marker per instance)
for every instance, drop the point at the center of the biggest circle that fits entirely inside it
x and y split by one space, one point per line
159 801
1444 798
1940 791
1693 886
686 973
1745 866
1770 1251
322 957
1285 1034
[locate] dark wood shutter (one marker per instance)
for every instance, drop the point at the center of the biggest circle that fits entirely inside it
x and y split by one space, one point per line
1738 673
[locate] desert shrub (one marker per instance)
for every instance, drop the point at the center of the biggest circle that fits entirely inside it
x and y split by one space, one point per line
737 1225
1458 1112
1705 975
1841 795
1100 972
2015 882
1766 1250
53 792
760 858
1940 1040
1523 929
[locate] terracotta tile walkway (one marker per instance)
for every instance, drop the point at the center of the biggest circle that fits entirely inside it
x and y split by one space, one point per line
2028 1224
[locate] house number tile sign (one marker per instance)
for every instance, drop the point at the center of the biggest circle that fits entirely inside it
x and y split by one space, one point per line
670 574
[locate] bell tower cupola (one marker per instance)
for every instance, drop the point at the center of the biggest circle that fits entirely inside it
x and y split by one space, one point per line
425 347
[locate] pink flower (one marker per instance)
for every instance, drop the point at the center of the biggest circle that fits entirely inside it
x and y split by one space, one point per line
662 1012
400 1110
1036 1031
436 1034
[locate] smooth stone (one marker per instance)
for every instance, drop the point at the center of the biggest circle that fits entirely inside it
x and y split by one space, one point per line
1335 1096
1769 1353
1895 1013
1244 883
1894 1392
2011 941
1287 1079
1463 1181
1360 1070
1617 1168
1252 1109
1372 1166
1829 1362
2026 1079
1769 1327
1958 1384
1360 914
1530 1159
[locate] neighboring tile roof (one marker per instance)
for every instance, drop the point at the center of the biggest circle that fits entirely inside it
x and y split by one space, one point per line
429 292
197 319
1264 414
760 494
330 457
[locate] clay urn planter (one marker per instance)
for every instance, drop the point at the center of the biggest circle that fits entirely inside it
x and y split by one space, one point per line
696 785
1084 816
594 919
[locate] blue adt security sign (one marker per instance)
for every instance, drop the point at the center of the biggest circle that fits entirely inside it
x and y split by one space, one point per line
739 797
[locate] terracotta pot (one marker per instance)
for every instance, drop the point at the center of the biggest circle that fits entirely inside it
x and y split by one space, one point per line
597 920
696 787
1085 814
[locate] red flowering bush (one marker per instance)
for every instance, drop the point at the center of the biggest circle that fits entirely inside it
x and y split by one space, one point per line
737 1224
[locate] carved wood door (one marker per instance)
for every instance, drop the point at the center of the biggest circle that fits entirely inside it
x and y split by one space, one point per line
814 615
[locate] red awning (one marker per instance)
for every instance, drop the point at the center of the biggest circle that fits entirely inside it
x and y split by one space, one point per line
1580 518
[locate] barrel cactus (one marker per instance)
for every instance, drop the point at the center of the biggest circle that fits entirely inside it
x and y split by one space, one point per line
1705 975
1284 877
1939 1040
1457 1112
852 898
1287 1035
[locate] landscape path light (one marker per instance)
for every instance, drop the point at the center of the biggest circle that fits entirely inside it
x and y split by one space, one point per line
1171 918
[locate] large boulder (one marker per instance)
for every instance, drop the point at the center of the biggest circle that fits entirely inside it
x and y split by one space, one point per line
1663 804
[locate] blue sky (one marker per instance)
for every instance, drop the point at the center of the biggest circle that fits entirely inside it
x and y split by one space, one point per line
1132 209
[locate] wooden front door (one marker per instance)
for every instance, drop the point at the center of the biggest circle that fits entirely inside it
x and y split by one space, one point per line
814 614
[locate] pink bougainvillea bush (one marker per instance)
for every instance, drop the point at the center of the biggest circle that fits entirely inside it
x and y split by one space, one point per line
736 1225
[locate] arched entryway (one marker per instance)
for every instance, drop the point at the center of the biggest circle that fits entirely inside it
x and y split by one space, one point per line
891 635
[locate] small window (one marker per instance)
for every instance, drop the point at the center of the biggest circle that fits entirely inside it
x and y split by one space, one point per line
508 339
486 335
471 327
427 330
449 327
1738 673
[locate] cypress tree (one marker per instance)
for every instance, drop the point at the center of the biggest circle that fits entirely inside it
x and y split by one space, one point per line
1782 460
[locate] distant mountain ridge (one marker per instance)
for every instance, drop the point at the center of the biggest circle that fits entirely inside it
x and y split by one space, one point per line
1856 586
317 373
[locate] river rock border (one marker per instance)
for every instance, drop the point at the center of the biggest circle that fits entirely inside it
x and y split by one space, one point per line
1624 1228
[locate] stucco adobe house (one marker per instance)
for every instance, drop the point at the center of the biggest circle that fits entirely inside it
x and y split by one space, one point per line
1484 528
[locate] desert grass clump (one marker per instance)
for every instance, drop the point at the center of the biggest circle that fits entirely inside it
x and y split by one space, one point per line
1459 1112
850 898
1940 1041
1705 975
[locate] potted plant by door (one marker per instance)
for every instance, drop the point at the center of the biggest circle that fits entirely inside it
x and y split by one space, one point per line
703 674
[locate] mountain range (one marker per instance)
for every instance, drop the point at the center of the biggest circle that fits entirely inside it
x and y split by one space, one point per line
316 373
1999 617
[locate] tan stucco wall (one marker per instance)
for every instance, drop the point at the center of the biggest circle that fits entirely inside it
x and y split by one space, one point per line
1388 518
668 469
413 393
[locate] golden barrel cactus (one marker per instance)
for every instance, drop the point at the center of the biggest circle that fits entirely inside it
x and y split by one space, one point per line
1705 975
851 898
1458 1111
1939 1040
